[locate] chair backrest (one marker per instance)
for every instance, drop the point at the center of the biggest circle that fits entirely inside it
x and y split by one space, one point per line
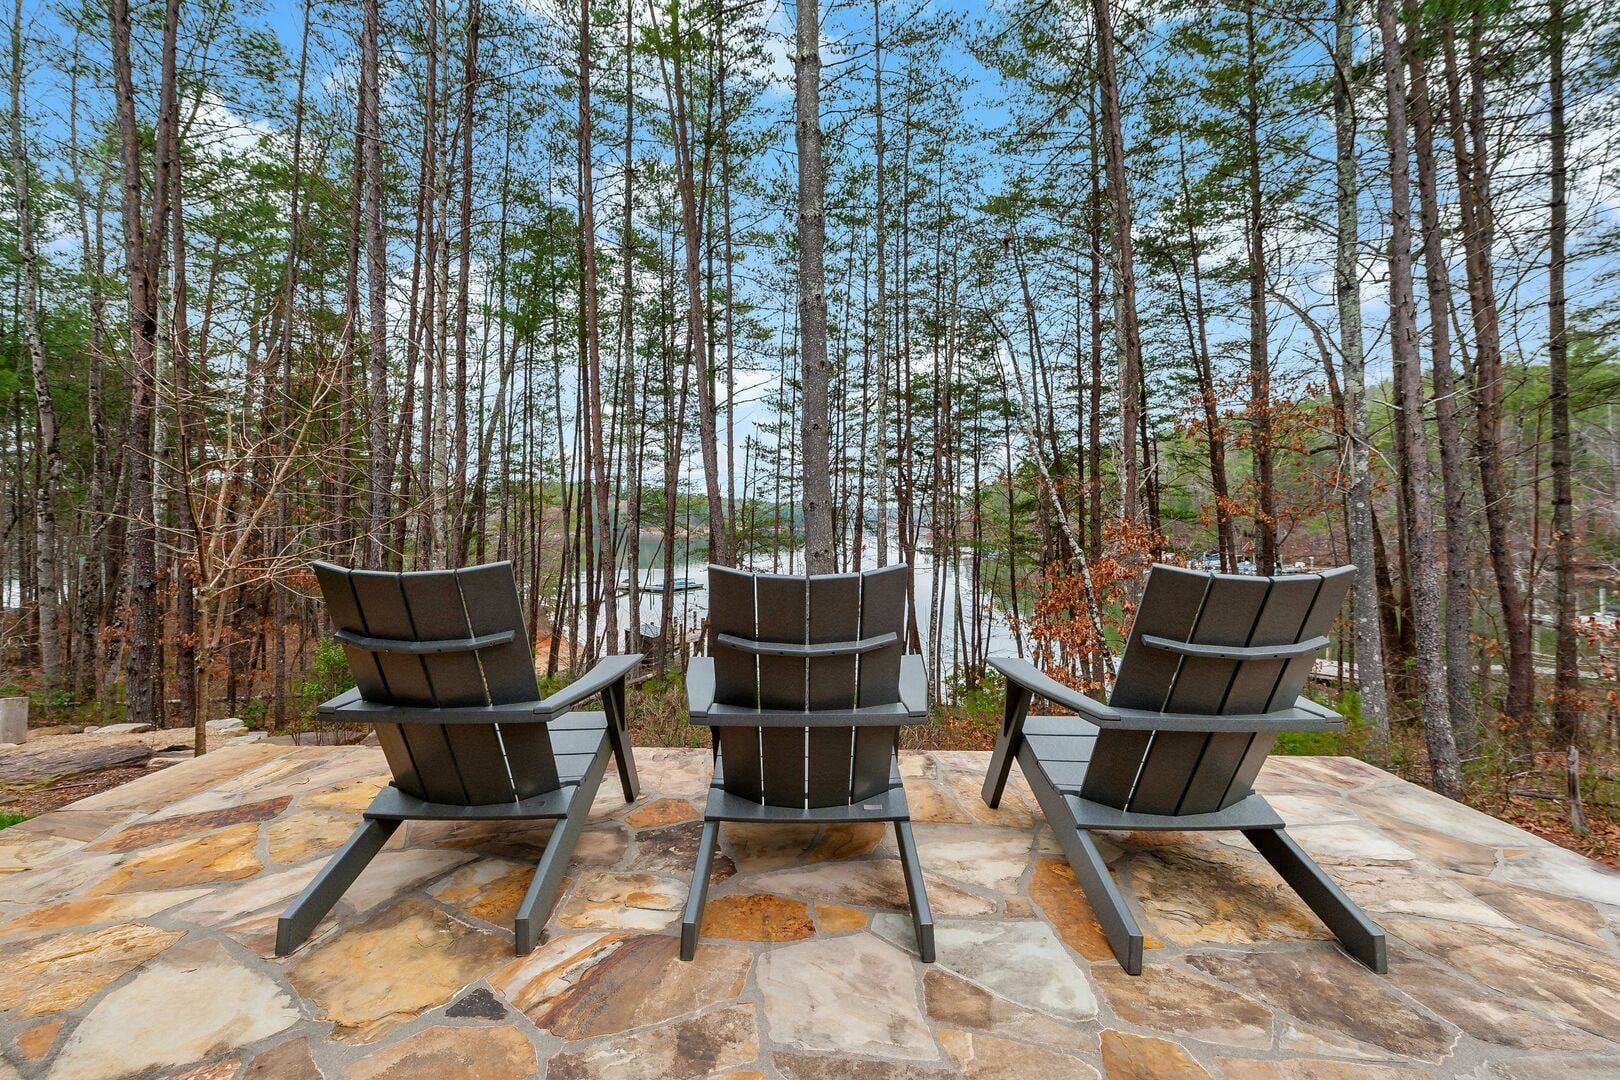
1271 628
859 621
440 639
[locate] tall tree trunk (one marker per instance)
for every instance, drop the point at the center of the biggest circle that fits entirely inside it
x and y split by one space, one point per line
815 369
1479 236
377 289
634 428
48 451
1423 571
1265 518
1347 289
1125 328
1459 559
458 504
1566 703
603 533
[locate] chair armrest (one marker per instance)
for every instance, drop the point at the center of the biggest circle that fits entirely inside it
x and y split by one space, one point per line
328 709
799 651
1025 674
424 648
914 686
606 672
700 688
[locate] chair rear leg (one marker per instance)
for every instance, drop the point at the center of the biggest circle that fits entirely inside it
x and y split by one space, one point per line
1008 740
1361 937
304 913
619 736
692 916
916 892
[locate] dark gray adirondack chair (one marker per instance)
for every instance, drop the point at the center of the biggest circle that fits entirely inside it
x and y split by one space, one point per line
805 687
444 673
1212 671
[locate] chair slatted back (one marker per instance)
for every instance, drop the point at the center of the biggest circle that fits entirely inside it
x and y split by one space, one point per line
1196 772
467 764
806 766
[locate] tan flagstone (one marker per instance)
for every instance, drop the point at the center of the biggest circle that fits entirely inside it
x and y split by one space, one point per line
488 889
56 878
92 911
1486 1015
985 1057
850 994
951 999
1556 870
1059 897
268 779
489 1053
256 894
1575 920
757 917
1561 1068
1419 806
351 796
1311 1069
306 833
227 854
524 841
977 855
370 978
1024 962
1345 842
837 919
1325 988
289 1060
63 972
1139 1057
928 802
1414 889
223 1004
873 883
394 873
672 849
579 986
35 1042
1169 1000
661 812
968 786
795 1066
1577 985
607 900
1442 849
213 1070
163 789
146 833
760 847
1194 895
683 1050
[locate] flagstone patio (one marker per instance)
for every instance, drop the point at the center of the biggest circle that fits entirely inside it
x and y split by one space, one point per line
136 932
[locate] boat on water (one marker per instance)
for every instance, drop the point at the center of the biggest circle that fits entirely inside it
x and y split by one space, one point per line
680 584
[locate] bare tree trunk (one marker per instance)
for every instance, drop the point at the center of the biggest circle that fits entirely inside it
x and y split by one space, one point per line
1423 572
1478 236
634 428
458 505
587 225
816 371
45 539
1347 288
1125 328
1459 560
686 183
377 288
1265 518
1566 702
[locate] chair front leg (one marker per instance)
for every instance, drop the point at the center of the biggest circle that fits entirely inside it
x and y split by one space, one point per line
304 913
692 916
528 929
613 703
916 892
1007 743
